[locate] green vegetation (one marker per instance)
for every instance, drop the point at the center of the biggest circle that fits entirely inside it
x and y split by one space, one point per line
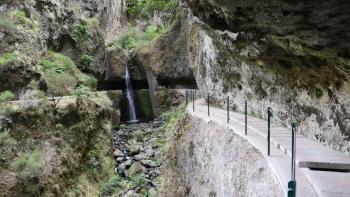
146 8
135 38
59 84
172 117
112 185
29 165
7 57
85 61
316 93
6 25
93 163
83 29
83 91
60 63
21 20
6 139
6 96
92 22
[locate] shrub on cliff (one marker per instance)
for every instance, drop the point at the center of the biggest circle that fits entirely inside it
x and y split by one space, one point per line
135 38
59 85
85 61
7 57
146 8
6 96
83 30
29 165
62 64
22 21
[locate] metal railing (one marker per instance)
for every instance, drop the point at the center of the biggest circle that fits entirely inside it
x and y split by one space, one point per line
270 116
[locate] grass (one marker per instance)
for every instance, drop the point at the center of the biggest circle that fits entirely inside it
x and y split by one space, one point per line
85 61
20 19
135 38
112 185
83 30
7 57
6 96
60 64
6 139
146 8
29 165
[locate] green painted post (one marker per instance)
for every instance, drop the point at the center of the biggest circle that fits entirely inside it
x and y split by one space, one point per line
246 117
228 109
268 130
186 97
292 185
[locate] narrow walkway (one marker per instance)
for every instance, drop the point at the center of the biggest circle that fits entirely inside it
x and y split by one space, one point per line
309 154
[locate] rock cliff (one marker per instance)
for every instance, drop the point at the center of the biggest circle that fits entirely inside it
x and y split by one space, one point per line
28 29
278 54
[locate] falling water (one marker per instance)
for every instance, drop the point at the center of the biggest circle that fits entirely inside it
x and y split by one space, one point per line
130 95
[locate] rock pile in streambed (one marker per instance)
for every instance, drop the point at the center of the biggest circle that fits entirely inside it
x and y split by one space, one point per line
138 156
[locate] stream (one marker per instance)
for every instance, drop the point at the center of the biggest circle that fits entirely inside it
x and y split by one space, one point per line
138 156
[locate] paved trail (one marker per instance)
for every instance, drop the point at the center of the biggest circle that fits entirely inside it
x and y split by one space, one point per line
332 181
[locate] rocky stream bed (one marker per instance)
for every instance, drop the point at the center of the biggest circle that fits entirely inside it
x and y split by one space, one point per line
138 151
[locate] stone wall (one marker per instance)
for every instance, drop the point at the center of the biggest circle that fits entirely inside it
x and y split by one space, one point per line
207 159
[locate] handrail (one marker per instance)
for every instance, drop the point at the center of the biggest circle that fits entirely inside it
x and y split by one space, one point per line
292 183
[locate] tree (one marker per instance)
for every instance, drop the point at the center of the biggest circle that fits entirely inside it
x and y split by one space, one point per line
58 85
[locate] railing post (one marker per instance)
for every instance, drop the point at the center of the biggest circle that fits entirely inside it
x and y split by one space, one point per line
193 100
186 97
292 184
208 105
228 109
269 114
246 117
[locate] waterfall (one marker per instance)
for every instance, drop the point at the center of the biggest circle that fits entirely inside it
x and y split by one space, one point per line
130 95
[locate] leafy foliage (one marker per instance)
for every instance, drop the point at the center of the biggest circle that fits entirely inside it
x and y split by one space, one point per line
57 62
29 165
146 8
60 63
59 84
85 61
134 38
111 185
21 20
6 139
83 91
6 96
83 29
7 57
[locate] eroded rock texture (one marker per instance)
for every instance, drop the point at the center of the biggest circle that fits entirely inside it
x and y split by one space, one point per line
291 56
74 143
30 29
208 160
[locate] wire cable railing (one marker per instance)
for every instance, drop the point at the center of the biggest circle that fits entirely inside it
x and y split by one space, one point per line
270 116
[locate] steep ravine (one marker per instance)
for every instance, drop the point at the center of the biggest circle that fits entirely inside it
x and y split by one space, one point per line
280 56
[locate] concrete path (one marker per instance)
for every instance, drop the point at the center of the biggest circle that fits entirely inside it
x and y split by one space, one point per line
320 171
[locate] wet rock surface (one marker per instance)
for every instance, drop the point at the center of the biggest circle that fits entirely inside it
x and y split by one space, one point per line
138 156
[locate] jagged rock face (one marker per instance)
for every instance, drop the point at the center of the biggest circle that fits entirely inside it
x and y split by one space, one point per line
75 143
167 58
283 55
206 159
52 28
115 64
113 18
297 72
